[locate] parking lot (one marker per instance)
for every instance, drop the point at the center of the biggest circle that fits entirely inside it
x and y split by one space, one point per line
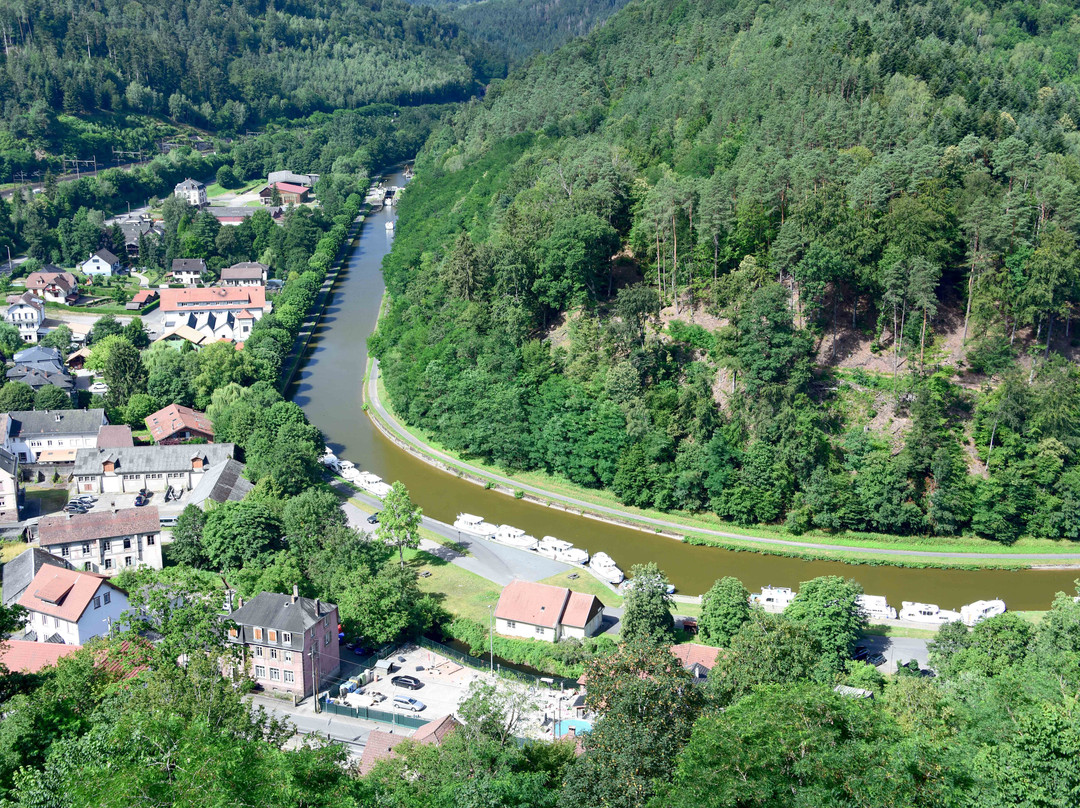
106 502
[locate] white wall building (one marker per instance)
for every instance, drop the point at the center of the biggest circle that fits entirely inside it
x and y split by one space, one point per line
44 436
27 313
193 191
156 468
102 263
71 607
104 541
543 612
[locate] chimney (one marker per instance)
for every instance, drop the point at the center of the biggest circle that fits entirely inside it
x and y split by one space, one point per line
318 607
295 593
239 602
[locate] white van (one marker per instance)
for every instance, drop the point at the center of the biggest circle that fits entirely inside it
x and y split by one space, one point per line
408 703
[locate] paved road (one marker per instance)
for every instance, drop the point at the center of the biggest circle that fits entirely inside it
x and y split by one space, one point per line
629 519
351 732
496 562
897 649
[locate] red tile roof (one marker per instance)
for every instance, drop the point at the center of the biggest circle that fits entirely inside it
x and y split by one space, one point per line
289 188
62 593
166 422
216 298
580 609
692 653
532 603
66 528
145 296
380 745
30 657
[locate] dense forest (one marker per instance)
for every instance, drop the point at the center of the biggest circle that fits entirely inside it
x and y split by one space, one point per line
84 78
798 263
520 28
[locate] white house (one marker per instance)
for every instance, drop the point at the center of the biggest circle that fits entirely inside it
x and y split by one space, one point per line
43 436
188 271
193 191
9 487
27 313
247 273
102 263
71 607
104 541
56 286
543 612
155 468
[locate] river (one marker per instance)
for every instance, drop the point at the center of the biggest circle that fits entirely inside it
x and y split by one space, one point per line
329 388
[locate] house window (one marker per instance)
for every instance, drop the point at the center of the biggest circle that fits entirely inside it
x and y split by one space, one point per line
56 622
233 632
286 637
260 672
326 639
86 566
289 677
275 674
539 629
106 546
149 541
258 633
127 544
65 551
108 563
97 602
273 653
511 624
288 656
127 561
86 548
108 597
273 635
257 651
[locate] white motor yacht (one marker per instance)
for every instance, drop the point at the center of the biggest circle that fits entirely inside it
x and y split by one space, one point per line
602 564
927 613
980 610
773 598
560 550
875 607
329 459
475 525
515 537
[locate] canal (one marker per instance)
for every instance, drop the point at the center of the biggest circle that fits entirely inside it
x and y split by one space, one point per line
329 388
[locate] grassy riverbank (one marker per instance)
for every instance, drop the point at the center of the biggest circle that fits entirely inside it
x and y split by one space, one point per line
852 548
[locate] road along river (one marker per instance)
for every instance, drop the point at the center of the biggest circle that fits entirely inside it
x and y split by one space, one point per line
329 386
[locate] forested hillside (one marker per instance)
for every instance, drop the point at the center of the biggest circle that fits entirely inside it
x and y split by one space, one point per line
520 28
92 69
793 262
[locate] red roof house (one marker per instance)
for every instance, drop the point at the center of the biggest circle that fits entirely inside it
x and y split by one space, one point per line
175 423
543 612
380 745
30 657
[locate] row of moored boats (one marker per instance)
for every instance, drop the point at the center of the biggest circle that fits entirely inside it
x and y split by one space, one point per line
875 607
372 483
549 546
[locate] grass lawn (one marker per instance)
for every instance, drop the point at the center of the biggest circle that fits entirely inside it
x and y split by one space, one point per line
587 584
459 591
688 522
214 190
10 549
901 631
50 499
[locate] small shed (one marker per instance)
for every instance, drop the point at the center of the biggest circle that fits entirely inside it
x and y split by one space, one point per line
384 667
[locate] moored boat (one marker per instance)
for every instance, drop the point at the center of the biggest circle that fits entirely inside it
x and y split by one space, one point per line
389 225
773 598
474 525
927 613
602 564
560 550
980 610
875 607
515 537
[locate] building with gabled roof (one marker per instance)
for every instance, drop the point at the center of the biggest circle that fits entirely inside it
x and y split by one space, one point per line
155 468
54 286
24 656
288 193
176 423
381 745
188 271
50 436
20 571
71 607
545 612
27 313
104 541
142 299
115 437
696 658
246 273
193 191
289 643
303 180
102 263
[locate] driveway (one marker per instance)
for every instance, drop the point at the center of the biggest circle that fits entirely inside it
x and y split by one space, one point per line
897 649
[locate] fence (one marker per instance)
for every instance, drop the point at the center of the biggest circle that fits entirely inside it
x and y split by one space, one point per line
410 721
554 682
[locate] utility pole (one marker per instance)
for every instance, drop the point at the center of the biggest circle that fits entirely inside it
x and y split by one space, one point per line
315 672
491 638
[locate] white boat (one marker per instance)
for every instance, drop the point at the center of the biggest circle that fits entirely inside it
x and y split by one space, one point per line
630 583
389 225
560 550
515 537
372 483
927 613
345 465
980 610
875 607
329 459
470 523
773 598
602 564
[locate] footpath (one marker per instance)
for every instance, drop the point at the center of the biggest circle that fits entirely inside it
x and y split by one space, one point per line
394 430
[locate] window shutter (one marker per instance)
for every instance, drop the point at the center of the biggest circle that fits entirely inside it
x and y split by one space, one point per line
258 634
273 635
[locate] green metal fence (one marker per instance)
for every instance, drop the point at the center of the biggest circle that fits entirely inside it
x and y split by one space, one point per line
553 682
409 721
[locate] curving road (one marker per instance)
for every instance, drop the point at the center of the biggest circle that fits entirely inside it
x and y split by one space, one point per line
389 421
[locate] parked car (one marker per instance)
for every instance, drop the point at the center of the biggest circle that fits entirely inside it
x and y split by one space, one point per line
99 387
407 682
861 653
408 703
86 499
373 519
140 500
75 507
